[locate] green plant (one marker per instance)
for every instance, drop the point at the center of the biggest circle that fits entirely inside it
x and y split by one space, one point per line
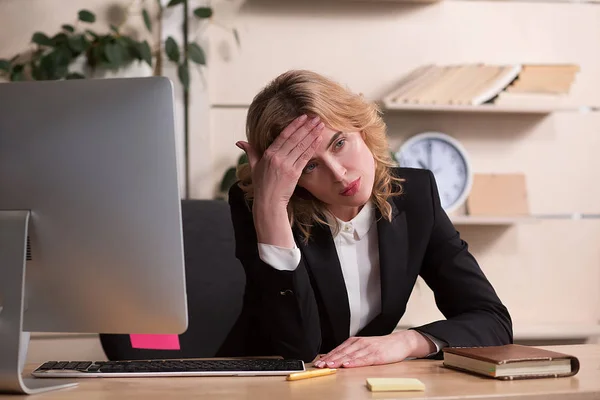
230 176
393 157
53 57
188 51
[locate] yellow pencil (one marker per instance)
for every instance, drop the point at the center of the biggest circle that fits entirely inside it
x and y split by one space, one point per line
312 373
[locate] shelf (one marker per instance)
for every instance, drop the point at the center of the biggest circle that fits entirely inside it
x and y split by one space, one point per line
556 331
511 1
499 221
562 331
396 1
485 108
572 216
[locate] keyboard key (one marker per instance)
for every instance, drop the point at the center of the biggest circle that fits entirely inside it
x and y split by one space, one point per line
93 368
83 365
48 365
71 365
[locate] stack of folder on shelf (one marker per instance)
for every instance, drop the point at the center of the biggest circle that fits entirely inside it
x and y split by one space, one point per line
477 84
540 84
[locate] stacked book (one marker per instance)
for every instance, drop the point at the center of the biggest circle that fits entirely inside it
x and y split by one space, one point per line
477 84
543 85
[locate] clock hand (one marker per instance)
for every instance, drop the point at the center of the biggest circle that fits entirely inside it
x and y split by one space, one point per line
429 163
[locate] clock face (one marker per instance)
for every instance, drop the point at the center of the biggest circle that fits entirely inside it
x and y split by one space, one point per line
446 158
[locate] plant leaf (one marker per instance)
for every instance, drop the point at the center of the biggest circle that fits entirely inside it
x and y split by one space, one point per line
203 12
174 3
61 72
48 67
115 29
113 54
172 49
4 65
243 159
59 39
236 36
228 179
95 57
117 54
17 73
93 34
196 53
145 52
36 72
87 16
41 39
184 75
62 57
147 21
123 47
131 46
68 28
78 43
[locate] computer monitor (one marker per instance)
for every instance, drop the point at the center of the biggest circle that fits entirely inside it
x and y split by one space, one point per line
90 214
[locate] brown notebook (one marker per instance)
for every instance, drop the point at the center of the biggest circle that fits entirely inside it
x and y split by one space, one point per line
511 361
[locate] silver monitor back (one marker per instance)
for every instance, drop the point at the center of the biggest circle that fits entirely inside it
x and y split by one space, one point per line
94 161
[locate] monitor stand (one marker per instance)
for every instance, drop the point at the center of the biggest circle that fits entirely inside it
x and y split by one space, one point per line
13 341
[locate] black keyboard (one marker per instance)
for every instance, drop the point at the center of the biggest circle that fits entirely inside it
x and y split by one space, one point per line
199 366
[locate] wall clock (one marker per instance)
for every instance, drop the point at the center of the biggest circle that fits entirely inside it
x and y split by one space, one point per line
446 158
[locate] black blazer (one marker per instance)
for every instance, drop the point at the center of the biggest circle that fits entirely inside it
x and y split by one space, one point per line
301 313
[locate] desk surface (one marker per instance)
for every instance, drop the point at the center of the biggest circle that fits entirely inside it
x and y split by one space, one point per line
441 383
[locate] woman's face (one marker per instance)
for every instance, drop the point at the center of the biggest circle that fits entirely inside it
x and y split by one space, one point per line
341 173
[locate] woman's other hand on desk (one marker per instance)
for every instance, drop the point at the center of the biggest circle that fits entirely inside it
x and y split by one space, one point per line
375 350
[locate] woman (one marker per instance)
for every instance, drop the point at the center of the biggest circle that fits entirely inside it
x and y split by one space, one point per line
332 236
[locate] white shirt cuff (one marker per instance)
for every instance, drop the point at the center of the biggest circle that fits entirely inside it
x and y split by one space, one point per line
437 342
280 258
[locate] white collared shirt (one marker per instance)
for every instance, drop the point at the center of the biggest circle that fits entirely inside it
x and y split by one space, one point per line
357 246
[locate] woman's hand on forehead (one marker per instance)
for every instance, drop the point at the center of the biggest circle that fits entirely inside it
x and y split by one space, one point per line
276 174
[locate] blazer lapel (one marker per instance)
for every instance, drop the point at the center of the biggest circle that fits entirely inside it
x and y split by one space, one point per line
324 265
393 259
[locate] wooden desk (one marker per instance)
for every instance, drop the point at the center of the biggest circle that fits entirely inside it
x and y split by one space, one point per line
441 383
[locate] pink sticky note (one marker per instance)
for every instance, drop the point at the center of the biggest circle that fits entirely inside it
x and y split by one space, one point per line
155 342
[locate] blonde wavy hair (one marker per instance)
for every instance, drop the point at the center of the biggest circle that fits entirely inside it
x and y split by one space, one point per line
298 92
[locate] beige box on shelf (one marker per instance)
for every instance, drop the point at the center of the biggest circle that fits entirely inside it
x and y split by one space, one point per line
498 195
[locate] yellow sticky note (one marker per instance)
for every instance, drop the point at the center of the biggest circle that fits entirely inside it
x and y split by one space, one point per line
395 384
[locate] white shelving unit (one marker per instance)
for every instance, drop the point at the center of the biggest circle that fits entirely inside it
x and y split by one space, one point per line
484 108
512 1
556 331
548 331
395 1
